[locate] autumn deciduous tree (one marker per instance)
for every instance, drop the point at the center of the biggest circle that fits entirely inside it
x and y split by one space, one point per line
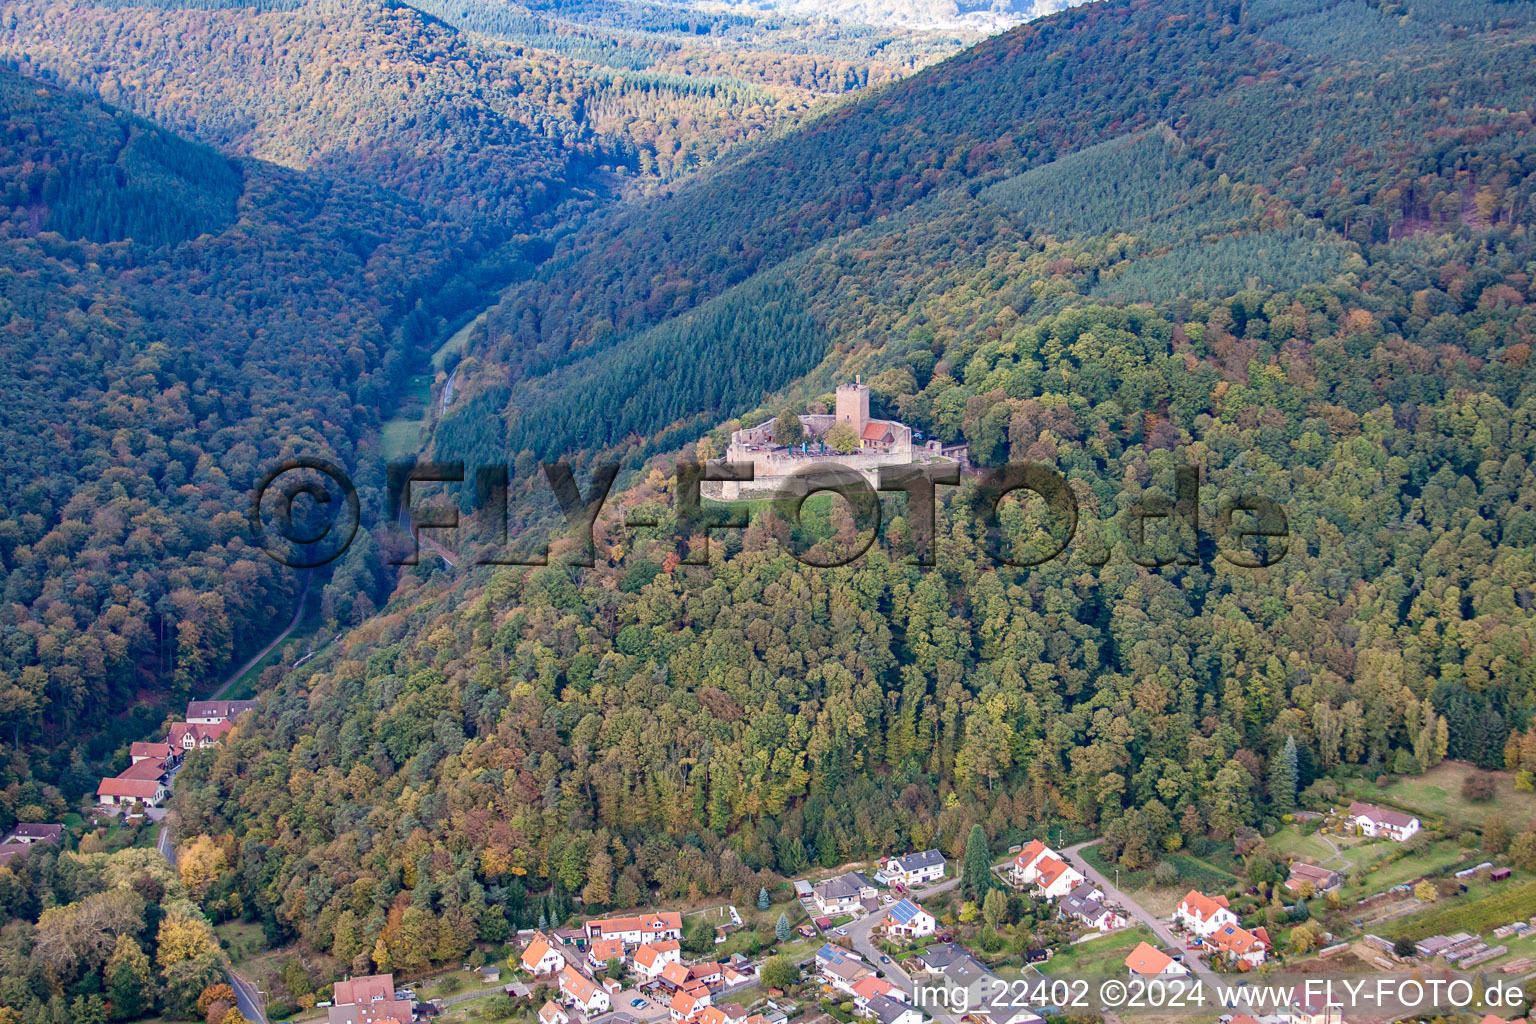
199 863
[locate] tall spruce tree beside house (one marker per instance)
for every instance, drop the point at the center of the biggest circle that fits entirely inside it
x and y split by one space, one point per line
976 878
1284 773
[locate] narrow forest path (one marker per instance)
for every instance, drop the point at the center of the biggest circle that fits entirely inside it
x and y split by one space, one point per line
298 614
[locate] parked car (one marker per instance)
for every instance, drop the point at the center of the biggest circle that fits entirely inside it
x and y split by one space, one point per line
885 959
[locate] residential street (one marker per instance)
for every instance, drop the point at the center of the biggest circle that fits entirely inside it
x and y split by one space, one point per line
1136 910
860 933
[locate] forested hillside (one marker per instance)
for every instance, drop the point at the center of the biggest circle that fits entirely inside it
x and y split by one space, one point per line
175 322
1286 243
1248 90
493 113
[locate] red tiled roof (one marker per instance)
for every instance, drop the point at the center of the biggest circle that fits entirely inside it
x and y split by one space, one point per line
150 769
138 789
1146 960
534 953
364 989
874 430
1202 905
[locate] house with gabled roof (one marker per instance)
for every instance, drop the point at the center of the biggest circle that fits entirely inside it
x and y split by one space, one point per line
886 1010
603 950
185 736
1203 914
844 894
29 832
1381 821
143 750
1055 878
1320 878
689 1003
1239 944
674 974
553 1013
638 929
913 869
540 957
1147 962
651 958
907 920
367 999
211 712
121 792
582 993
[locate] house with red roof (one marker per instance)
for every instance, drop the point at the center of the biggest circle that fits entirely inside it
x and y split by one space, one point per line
689 1003
186 736
1055 878
1380 821
638 929
603 950
369 999
1203 914
141 750
582 993
122 792
651 958
1239 944
540 957
1147 962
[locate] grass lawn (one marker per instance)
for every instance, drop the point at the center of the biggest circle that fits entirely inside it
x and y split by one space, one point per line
1438 793
1443 854
242 939
1105 955
402 436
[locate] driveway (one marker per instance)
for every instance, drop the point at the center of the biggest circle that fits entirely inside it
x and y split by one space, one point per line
1159 927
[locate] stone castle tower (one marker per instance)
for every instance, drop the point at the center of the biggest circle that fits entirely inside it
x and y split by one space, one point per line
853 405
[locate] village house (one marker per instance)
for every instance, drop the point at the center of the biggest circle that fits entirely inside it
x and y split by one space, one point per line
650 958
28 833
186 736
913 869
707 973
639 928
689 1003
1086 905
120 792
872 986
582 993
1378 821
1240 945
1055 878
907 920
163 753
844 894
1147 962
603 950
1202 914
553 1013
1042 867
212 712
1322 879
370 999
540 957
890 1011
841 969
967 979
674 975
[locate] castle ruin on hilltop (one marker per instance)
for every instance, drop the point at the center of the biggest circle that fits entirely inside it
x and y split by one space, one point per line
880 443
